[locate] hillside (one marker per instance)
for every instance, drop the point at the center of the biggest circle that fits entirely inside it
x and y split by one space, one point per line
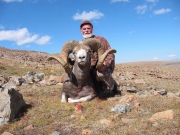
171 64
150 87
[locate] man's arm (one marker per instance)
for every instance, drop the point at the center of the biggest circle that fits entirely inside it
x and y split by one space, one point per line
103 42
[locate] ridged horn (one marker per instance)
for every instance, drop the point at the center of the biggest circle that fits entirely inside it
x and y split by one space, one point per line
95 45
102 57
63 57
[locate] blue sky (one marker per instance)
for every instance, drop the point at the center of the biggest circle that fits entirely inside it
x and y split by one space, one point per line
140 30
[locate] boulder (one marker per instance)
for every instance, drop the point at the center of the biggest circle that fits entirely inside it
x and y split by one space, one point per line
11 101
169 114
16 80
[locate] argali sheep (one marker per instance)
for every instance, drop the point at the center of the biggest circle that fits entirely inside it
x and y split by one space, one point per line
80 87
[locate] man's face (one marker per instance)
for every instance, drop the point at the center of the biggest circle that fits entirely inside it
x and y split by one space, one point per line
86 30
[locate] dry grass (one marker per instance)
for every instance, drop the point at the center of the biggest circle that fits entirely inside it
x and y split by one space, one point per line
48 114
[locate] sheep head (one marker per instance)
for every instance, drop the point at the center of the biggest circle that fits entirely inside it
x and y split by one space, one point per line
73 46
82 55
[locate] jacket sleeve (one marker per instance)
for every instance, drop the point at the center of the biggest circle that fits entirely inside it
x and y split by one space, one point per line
103 42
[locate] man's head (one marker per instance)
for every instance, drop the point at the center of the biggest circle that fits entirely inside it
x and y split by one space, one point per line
86 28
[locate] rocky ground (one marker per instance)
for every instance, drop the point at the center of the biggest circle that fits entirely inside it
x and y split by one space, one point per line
149 102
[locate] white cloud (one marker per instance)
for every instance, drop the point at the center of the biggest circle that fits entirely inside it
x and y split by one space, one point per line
172 55
12 1
119 1
156 58
162 11
1 26
131 32
153 1
88 15
43 40
27 46
177 18
141 9
22 36
27 39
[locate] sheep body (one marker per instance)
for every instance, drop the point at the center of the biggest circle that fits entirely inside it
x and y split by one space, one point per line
79 87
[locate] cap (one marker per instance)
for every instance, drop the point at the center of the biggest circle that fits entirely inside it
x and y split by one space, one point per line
85 22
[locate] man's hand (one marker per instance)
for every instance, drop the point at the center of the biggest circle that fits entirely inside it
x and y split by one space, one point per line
108 59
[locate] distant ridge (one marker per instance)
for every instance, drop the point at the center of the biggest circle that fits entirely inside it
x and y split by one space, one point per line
41 56
169 63
4 48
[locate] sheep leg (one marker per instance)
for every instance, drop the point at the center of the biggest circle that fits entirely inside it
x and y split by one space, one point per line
64 98
83 99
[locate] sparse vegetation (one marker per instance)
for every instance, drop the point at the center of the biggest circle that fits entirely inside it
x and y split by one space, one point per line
47 114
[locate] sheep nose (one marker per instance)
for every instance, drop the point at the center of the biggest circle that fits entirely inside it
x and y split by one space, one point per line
81 57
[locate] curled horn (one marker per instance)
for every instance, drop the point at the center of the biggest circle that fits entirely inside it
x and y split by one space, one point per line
63 57
95 45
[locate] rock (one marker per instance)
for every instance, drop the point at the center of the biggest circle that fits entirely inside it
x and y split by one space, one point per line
53 80
43 82
55 133
131 89
177 94
38 77
29 127
114 116
122 88
139 81
143 93
162 115
6 133
2 80
86 132
152 87
155 124
11 101
105 122
159 92
16 80
162 92
32 77
126 103
29 77
127 99
171 95
128 121
9 85
130 75
121 108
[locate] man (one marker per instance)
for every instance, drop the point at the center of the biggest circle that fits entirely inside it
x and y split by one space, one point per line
106 85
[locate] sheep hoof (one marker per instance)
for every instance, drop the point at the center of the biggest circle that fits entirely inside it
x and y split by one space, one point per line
63 101
70 100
